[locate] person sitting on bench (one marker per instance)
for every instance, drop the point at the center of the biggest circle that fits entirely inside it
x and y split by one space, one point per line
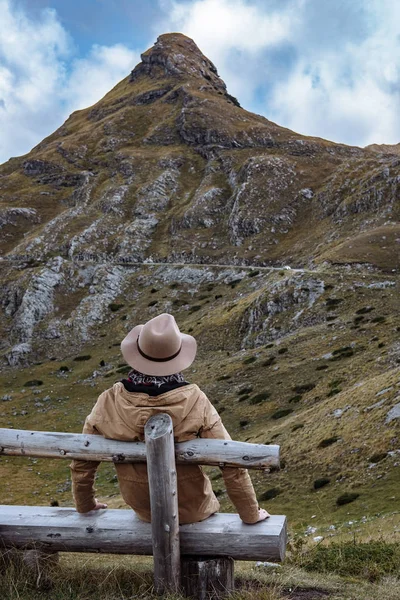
157 353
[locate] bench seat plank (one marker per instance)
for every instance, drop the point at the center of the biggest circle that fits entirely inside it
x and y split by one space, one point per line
118 531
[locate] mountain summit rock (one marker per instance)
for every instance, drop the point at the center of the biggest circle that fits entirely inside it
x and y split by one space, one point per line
176 55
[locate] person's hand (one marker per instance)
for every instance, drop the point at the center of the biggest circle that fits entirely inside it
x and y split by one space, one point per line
99 505
262 515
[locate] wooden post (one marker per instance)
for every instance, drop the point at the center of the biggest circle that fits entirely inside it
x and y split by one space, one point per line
161 470
206 578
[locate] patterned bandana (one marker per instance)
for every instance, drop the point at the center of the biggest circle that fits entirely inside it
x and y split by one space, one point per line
138 378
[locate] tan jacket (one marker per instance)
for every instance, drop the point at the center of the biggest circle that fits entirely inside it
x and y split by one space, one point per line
122 415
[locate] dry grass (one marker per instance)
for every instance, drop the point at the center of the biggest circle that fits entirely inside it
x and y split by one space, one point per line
107 577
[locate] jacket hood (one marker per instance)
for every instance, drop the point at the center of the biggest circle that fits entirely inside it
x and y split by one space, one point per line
122 415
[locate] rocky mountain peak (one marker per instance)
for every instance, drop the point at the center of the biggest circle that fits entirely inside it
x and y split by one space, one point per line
176 55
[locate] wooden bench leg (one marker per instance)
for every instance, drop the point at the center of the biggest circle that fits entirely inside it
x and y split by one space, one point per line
204 578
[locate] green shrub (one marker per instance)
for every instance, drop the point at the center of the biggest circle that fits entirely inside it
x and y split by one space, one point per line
153 290
298 426
344 352
331 317
195 308
378 320
269 345
114 306
381 344
364 310
303 388
346 498
328 441
333 392
153 303
173 285
244 397
243 422
234 283
218 296
223 377
282 350
255 400
335 382
210 287
331 303
269 361
64 369
358 319
378 457
246 390
249 360
321 367
320 483
33 383
258 398
283 412
269 494
295 399
253 273
83 357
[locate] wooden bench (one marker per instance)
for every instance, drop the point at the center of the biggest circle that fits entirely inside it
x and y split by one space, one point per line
197 556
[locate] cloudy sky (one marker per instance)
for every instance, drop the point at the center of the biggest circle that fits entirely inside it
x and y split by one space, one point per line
328 68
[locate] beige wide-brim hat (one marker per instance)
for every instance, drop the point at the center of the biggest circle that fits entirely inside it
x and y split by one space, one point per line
158 347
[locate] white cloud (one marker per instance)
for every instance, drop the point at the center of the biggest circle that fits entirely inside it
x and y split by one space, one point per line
39 86
342 81
348 96
94 76
219 25
230 32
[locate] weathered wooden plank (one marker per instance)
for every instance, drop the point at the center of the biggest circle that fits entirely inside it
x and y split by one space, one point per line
122 532
48 444
163 485
207 578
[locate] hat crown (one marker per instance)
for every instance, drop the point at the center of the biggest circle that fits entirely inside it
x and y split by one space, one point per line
158 347
160 337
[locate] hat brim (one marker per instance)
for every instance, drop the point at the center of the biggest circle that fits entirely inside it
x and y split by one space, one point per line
131 354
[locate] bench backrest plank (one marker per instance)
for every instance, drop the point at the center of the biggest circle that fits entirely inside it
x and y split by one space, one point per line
48 444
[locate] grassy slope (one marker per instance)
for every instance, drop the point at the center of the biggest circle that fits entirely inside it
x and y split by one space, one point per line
222 370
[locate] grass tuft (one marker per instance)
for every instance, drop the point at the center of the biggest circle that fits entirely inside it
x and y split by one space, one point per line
347 498
372 560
